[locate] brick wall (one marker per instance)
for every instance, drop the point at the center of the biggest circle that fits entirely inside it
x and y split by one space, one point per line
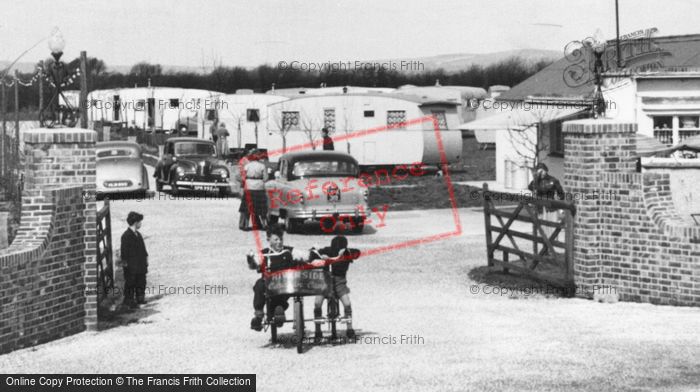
631 237
48 275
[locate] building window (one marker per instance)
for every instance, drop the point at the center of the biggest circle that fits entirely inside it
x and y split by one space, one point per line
441 119
369 113
395 118
253 115
556 138
290 120
329 119
688 126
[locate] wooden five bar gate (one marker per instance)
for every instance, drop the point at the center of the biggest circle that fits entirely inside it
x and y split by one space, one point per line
105 264
533 228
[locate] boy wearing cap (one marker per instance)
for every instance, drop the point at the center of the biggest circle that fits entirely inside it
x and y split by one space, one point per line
135 259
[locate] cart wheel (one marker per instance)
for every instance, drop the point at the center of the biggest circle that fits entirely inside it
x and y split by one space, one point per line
273 333
299 323
291 225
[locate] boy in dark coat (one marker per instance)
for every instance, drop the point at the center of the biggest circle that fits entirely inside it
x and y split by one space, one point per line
135 258
340 257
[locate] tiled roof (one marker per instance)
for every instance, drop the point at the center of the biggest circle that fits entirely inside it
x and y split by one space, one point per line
676 51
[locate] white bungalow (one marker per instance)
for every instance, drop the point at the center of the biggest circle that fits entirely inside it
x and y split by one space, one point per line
658 89
298 121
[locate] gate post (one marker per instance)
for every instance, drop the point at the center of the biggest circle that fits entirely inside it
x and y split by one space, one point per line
65 157
592 147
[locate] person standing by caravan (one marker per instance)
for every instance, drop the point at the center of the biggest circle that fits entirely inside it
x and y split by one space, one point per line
222 141
254 185
212 130
327 140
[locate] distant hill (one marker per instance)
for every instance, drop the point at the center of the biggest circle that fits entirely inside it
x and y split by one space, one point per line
449 62
461 61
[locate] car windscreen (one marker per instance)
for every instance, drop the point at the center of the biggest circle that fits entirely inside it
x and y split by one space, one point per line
117 153
195 149
328 168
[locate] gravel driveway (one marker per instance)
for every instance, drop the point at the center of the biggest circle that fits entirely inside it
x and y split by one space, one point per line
457 340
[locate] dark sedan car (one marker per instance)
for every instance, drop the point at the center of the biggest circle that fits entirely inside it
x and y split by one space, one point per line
189 162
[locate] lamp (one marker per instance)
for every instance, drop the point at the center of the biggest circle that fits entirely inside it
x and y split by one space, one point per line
53 114
597 46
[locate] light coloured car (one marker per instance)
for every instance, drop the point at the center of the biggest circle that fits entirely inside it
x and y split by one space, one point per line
318 186
120 169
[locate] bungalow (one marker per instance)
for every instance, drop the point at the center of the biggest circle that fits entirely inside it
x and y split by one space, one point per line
658 88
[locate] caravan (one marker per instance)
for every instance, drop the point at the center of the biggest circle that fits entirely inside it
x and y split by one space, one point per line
155 108
298 121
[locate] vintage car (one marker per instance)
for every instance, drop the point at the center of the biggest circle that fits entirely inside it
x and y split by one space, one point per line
189 162
120 169
318 186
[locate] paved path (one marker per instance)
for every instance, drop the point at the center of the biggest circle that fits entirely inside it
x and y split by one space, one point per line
460 340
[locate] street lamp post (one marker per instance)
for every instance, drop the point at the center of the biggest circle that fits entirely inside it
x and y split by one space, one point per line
51 116
597 46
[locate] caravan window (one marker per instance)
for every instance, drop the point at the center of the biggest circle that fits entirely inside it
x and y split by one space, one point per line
253 115
329 119
174 103
441 118
210 114
369 113
396 118
290 120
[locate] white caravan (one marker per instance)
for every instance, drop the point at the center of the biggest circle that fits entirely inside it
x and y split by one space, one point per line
298 121
155 108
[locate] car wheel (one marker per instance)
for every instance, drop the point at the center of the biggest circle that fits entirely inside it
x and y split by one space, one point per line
359 226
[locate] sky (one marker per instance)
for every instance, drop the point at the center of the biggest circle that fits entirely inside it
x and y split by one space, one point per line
249 33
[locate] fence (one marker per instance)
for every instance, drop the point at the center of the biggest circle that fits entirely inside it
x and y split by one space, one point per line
553 262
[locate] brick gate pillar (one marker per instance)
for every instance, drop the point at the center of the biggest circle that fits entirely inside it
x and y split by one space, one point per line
65 157
592 147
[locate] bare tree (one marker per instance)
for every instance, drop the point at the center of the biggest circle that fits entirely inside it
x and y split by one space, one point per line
310 125
283 124
526 135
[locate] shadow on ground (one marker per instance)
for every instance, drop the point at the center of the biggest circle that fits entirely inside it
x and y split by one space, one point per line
517 286
288 341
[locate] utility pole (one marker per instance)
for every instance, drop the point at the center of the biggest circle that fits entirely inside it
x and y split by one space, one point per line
41 86
617 41
3 107
82 102
16 146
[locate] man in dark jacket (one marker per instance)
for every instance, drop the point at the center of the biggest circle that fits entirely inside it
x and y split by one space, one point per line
327 140
135 258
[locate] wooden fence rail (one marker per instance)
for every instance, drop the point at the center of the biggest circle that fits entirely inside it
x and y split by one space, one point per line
541 252
105 263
